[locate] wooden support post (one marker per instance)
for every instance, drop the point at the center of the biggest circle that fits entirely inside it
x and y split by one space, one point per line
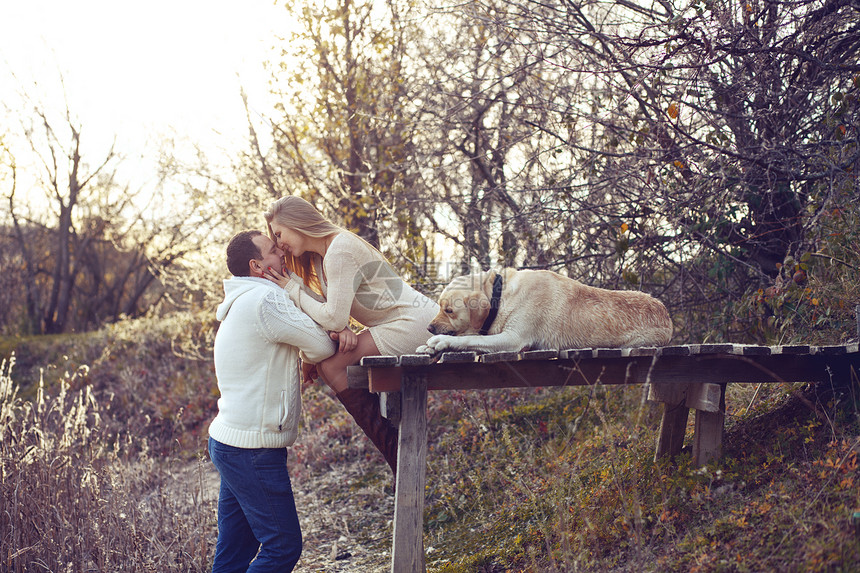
407 552
672 429
674 422
708 436
707 399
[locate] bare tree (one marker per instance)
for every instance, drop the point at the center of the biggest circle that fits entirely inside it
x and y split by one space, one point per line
481 86
343 136
703 141
101 250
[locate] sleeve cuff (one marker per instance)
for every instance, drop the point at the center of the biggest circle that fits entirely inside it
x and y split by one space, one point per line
294 287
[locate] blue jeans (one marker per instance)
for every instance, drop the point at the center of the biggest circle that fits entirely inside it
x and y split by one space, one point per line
256 511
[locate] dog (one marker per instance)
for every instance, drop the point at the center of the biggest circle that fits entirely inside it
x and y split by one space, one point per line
515 310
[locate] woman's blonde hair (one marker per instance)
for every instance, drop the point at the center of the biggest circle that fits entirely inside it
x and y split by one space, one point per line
299 215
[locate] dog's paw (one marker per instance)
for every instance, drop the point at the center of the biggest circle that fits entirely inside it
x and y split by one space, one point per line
441 342
424 349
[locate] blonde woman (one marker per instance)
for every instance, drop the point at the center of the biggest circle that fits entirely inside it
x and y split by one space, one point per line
355 281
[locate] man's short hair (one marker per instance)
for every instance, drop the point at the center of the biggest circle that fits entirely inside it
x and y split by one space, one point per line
240 251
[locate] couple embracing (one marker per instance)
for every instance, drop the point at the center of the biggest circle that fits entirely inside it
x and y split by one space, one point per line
292 295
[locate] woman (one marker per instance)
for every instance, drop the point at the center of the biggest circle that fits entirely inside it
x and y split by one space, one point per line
357 281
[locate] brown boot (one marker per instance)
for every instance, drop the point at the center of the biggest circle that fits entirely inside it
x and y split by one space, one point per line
363 406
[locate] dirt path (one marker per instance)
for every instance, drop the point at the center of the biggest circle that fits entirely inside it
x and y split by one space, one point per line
346 528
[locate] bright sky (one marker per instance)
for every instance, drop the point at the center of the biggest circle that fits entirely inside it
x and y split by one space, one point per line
138 70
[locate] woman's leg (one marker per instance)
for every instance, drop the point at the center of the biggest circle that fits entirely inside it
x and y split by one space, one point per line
333 369
362 404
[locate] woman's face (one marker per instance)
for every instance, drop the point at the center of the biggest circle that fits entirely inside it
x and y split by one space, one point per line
289 240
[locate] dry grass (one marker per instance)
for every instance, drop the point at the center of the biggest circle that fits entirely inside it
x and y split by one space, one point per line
73 502
564 481
103 466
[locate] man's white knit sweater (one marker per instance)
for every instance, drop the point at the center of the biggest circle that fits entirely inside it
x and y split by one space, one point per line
257 364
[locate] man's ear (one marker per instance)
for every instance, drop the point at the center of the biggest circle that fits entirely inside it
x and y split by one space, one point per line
255 267
479 308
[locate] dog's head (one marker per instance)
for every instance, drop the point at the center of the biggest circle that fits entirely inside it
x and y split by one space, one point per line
464 305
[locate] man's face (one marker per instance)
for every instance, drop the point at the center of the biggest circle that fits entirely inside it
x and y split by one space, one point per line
272 256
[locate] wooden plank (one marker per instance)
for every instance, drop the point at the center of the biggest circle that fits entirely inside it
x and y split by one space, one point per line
645 351
379 361
715 368
756 351
720 368
530 374
575 353
675 351
384 379
715 348
833 350
458 357
794 349
607 353
417 359
494 357
539 354
407 551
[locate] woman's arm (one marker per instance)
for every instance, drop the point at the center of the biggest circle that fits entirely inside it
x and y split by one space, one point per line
305 288
292 278
333 313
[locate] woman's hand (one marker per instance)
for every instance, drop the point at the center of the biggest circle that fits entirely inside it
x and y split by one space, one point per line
347 340
282 278
309 373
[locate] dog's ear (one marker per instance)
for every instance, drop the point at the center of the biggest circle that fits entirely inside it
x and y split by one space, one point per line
479 307
488 282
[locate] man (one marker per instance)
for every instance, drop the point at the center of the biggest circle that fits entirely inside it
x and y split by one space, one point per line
257 367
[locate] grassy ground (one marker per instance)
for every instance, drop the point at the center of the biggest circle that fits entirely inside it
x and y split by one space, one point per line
104 470
567 483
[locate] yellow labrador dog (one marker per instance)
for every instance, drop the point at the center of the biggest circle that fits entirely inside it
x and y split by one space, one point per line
514 310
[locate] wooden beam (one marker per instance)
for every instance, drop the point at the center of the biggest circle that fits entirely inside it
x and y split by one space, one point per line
530 374
407 552
580 368
384 379
713 369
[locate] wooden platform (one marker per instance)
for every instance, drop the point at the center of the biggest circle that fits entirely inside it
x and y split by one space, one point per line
680 377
